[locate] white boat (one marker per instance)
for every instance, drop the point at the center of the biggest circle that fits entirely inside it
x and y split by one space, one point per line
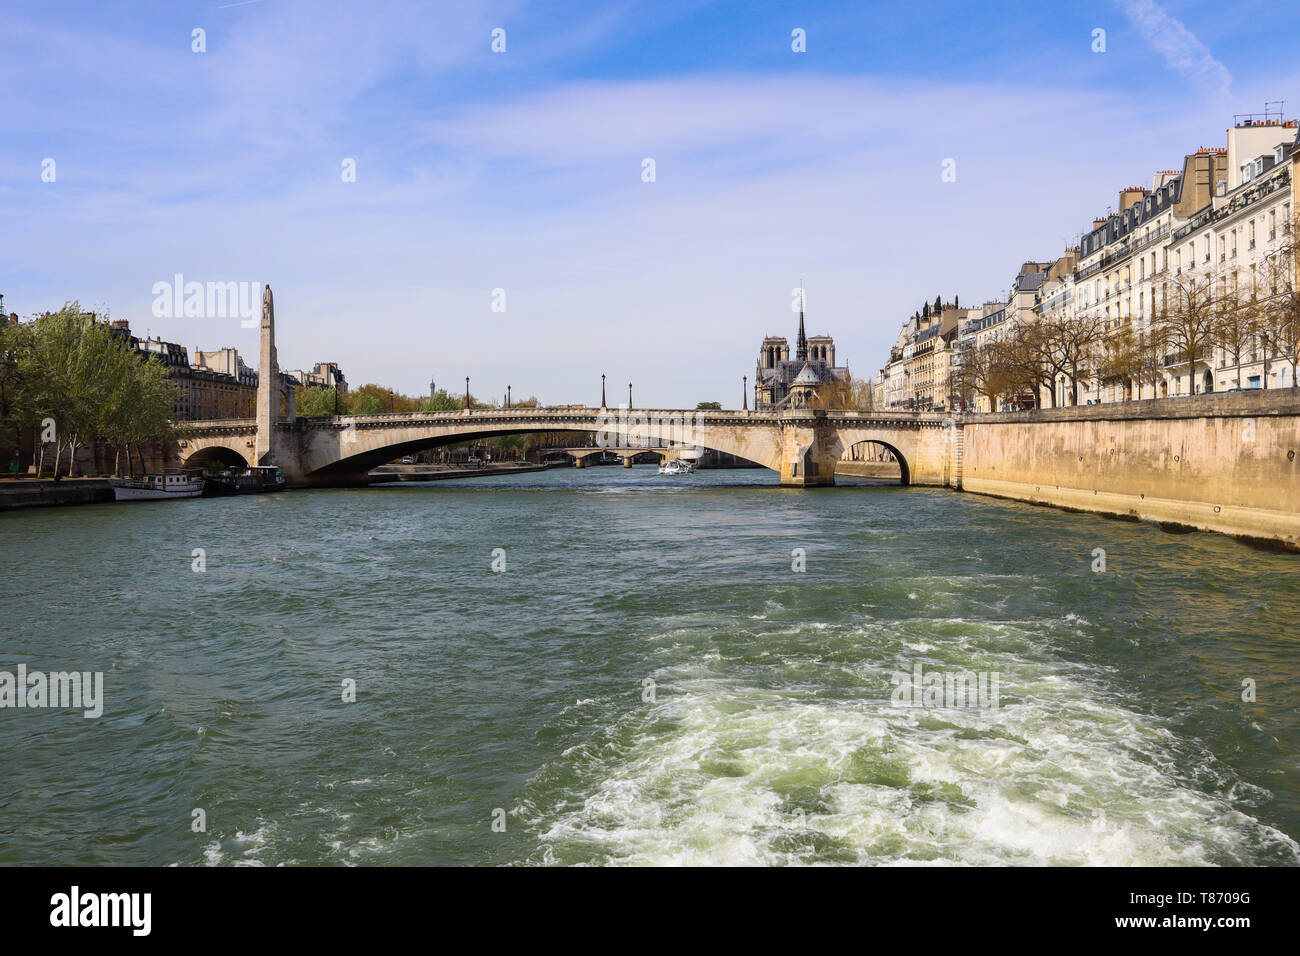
156 487
676 466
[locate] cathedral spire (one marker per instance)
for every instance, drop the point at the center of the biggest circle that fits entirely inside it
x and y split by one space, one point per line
801 345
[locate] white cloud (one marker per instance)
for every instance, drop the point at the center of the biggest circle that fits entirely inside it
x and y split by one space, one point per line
1181 50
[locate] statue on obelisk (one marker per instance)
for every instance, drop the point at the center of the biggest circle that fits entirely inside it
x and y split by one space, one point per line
268 383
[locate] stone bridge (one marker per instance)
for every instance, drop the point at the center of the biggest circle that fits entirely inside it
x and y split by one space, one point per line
802 446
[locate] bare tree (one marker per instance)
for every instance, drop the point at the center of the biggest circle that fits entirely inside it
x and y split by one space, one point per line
1186 317
1281 315
1150 346
1028 363
1071 340
1118 360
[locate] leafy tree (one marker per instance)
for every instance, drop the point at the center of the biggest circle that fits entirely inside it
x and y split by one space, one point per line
318 402
388 399
709 406
365 405
17 381
141 406
76 365
440 401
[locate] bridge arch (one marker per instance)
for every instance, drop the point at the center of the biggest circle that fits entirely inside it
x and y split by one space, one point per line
210 455
859 451
370 454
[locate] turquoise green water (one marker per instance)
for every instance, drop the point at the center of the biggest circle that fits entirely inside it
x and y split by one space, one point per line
1120 735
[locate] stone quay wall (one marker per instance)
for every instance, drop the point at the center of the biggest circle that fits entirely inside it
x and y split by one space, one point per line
1221 462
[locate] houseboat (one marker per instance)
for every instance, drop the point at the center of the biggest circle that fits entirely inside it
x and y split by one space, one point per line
253 480
157 487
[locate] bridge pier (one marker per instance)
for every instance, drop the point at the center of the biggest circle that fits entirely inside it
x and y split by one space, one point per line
809 449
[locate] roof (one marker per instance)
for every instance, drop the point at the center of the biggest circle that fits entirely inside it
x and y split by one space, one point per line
806 376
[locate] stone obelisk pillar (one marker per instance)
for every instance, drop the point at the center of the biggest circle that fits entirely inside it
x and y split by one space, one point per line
268 384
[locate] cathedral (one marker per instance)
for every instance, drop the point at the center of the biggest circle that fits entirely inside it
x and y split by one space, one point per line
782 382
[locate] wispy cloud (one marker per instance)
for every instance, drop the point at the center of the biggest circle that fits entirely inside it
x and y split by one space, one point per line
1181 50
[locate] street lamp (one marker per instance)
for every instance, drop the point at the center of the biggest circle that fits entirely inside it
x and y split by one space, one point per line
466 393
744 392
507 396
629 396
602 391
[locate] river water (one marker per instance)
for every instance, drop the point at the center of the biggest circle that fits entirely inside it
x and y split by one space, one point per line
649 680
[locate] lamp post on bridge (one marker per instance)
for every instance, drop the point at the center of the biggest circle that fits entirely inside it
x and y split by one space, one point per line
744 392
466 393
602 391
507 396
629 396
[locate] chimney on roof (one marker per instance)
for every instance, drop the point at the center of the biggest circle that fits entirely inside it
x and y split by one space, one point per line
1131 197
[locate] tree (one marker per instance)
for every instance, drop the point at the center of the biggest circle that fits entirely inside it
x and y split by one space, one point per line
1071 340
1281 325
77 363
318 402
440 401
984 371
847 393
17 381
1117 360
389 400
365 405
141 408
1188 320
1234 323
90 382
1032 361
1150 346
709 406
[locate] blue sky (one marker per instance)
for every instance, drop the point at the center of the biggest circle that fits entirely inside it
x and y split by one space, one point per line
522 170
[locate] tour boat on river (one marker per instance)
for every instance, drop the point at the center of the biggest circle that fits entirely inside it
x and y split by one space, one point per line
676 466
156 487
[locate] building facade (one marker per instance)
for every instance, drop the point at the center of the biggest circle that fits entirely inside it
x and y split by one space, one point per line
1220 230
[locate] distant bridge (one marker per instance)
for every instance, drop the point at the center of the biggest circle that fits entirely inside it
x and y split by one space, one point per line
801 445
